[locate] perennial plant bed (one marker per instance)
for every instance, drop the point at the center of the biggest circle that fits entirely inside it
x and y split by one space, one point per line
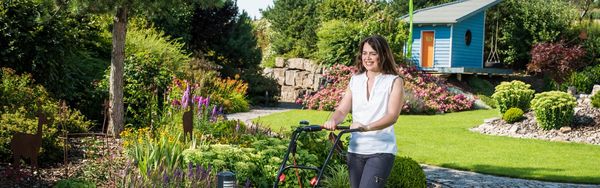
585 127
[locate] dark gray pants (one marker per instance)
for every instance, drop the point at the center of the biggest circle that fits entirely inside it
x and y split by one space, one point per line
369 171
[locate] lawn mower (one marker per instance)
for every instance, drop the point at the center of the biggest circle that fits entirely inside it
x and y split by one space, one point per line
305 127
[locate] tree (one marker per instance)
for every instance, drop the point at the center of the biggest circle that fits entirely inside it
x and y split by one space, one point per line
295 24
121 10
525 23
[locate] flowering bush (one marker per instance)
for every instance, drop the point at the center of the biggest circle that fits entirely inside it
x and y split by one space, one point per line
423 92
231 93
337 78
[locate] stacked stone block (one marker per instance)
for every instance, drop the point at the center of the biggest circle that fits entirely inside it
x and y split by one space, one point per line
295 76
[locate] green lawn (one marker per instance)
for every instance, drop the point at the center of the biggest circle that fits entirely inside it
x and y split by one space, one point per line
444 140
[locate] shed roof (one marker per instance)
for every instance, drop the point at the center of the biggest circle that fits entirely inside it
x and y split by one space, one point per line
450 12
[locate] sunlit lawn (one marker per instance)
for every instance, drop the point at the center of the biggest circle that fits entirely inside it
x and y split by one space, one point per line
444 140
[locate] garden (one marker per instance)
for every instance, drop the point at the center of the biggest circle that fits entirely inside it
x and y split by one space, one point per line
137 94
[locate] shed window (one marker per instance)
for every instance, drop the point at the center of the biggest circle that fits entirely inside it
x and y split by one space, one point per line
468 37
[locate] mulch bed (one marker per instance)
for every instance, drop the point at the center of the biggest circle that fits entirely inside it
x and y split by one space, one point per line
83 151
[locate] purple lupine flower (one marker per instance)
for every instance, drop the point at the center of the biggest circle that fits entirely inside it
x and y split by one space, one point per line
199 171
207 101
190 170
185 97
221 110
166 178
199 101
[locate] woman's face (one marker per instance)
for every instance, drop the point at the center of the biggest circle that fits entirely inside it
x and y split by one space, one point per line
370 58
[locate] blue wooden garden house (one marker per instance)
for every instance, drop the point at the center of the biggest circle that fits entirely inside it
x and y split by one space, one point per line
449 38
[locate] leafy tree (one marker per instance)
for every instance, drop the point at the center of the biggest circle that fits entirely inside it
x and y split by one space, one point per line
63 51
121 9
524 23
338 42
226 38
240 47
343 10
295 24
210 25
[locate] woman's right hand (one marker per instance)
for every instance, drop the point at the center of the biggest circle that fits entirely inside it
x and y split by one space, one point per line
330 125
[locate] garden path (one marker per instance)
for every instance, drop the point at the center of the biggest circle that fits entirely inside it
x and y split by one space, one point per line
436 176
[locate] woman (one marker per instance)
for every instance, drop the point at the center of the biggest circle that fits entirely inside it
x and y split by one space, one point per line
375 97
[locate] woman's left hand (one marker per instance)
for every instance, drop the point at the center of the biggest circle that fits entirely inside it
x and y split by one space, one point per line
357 125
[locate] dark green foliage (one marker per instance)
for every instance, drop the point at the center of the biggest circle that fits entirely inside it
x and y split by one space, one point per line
225 38
211 24
239 47
262 91
525 23
596 100
406 173
553 109
295 24
64 52
513 115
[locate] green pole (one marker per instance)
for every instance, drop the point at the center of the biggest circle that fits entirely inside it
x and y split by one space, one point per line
410 29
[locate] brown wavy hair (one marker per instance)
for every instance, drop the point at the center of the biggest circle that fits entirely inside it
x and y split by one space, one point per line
387 63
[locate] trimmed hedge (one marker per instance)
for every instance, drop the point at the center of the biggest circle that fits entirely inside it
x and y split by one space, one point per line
513 115
406 173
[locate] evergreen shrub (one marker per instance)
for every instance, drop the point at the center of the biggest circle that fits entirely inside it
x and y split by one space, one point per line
513 115
406 173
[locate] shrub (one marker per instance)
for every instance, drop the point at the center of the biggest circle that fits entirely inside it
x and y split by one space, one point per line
557 60
18 96
230 92
406 173
338 42
596 100
553 109
513 94
583 80
513 115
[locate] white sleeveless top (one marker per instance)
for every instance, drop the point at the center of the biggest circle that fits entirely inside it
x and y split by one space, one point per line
369 110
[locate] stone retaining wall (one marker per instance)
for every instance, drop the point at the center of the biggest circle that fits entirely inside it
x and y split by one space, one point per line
296 76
